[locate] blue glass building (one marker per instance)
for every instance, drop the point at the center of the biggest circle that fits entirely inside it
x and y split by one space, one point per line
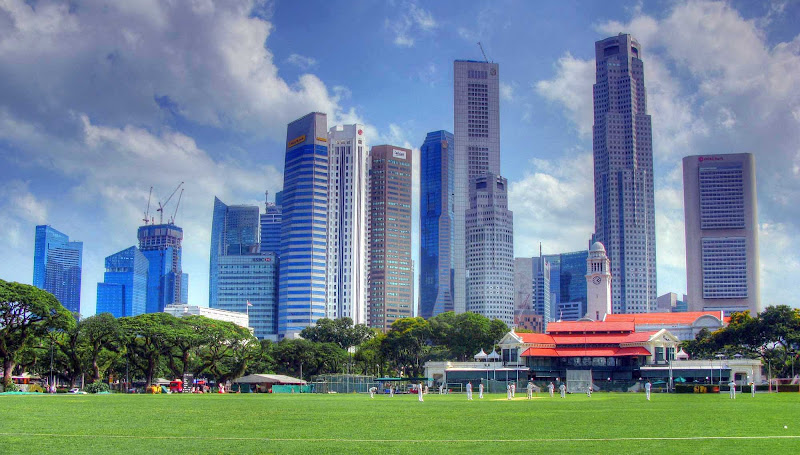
123 291
254 279
572 278
166 283
271 226
304 225
436 224
555 284
57 265
234 232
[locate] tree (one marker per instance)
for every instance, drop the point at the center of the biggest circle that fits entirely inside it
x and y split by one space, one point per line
98 334
405 344
187 336
341 331
467 333
227 349
146 339
26 311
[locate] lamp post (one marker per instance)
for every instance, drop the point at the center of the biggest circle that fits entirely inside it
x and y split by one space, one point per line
720 357
792 353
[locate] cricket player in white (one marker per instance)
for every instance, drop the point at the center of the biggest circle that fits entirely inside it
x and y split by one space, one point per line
732 386
530 390
508 391
441 388
469 391
589 392
551 388
753 388
513 389
563 389
647 387
391 391
480 390
372 392
419 391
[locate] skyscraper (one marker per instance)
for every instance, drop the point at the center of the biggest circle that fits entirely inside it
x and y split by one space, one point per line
57 265
234 232
253 279
348 193
721 215
301 291
166 282
271 226
555 284
523 288
391 272
123 291
623 174
437 180
572 281
541 289
476 118
490 249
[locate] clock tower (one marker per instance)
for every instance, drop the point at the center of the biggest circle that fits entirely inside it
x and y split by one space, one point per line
598 283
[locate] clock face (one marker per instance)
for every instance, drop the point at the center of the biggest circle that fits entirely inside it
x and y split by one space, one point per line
596 280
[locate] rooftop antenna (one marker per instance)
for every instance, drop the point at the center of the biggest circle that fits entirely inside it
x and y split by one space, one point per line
483 52
266 200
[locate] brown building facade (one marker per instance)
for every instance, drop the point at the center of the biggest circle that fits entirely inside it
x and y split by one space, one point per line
391 271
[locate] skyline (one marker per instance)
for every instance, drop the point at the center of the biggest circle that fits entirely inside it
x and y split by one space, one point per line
216 115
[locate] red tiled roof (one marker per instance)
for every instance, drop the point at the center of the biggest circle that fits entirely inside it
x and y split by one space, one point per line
663 318
602 338
585 352
638 350
542 338
589 326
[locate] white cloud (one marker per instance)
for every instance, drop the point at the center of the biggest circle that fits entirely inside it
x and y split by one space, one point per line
507 91
411 23
553 204
572 87
302 62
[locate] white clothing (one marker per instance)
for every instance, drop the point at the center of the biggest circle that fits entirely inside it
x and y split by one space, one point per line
469 391
513 390
647 387
419 392
563 389
480 390
551 388
732 385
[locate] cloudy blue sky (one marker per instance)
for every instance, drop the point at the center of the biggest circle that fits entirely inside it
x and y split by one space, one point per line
99 100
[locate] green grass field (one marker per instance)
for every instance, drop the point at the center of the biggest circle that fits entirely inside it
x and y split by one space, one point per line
249 423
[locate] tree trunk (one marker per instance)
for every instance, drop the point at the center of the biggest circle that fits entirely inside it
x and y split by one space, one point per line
151 368
95 370
8 366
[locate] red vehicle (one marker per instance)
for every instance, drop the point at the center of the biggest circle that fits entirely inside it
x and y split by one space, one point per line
176 386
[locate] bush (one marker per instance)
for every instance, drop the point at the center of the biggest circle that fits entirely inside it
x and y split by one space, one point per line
11 388
35 388
62 389
96 387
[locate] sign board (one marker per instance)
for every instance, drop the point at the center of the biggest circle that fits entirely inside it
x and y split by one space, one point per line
398 154
187 383
295 141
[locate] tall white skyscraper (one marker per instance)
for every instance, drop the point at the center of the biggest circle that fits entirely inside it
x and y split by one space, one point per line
348 192
623 174
490 249
721 216
476 109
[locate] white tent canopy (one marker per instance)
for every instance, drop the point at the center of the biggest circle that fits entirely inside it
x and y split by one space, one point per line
481 355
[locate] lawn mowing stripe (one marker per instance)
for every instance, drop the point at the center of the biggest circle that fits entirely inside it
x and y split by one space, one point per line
233 438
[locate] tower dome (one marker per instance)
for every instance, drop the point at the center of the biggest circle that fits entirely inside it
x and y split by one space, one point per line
597 246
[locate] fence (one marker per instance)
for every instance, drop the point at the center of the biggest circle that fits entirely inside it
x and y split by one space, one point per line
342 383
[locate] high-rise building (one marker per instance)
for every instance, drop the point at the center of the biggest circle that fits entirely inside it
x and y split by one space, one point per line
57 265
123 291
555 284
234 232
348 193
253 279
166 283
541 289
523 289
490 249
721 215
271 226
391 272
476 118
623 174
436 186
304 232
572 284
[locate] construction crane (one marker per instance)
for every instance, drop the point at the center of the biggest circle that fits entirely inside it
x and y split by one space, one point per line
172 220
482 52
161 206
147 211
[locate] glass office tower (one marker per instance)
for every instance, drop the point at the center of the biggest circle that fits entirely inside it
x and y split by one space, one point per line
57 265
123 291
